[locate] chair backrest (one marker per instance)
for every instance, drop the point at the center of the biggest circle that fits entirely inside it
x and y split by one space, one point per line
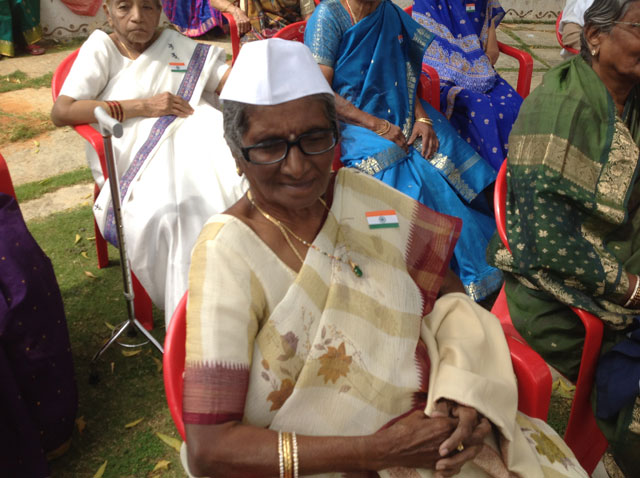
61 74
293 32
6 185
582 434
559 36
173 362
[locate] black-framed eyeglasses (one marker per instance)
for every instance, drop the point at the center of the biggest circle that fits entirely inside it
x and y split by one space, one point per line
275 150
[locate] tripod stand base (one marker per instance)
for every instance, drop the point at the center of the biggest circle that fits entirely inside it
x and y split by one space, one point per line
131 326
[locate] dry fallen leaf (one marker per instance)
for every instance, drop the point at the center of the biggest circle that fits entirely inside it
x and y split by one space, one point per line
81 424
172 442
158 363
100 471
113 366
133 423
563 388
131 353
110 326
90 275
161 465
92 238
87 197
84 254
78 237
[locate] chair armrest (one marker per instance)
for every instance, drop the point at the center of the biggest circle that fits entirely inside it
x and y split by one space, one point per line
429 86
94 138
534 379
233 32
526 67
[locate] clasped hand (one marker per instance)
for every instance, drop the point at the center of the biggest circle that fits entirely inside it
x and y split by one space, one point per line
167 104
430 143
420 441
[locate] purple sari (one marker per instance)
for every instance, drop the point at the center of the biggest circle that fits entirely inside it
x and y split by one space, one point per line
38 396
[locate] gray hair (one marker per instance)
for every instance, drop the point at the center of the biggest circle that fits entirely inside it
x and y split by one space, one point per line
236 118
602 15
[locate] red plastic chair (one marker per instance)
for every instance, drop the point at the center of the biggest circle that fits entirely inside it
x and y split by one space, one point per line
173 362
6 185
525 62
534 388
582 435
559 36
142 301
233 33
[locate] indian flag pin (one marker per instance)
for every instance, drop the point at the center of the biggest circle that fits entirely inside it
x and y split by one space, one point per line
471 7
177 67
380 219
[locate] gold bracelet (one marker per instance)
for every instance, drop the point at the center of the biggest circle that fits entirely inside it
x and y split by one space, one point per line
296 462
426 120
280 455
384 130
288 455
634 298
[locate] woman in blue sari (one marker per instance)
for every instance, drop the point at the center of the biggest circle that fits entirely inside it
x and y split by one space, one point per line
371 53
478 102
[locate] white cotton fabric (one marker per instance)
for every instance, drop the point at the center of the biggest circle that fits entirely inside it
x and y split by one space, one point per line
262 75
189 175
574 12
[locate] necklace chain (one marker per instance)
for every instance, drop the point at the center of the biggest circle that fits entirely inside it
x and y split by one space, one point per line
285 230
353 17
129 55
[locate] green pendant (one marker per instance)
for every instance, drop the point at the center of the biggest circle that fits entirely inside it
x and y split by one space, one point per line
356 270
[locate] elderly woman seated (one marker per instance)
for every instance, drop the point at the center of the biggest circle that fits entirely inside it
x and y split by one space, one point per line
479 103
371 53
326 335
175 168
573 217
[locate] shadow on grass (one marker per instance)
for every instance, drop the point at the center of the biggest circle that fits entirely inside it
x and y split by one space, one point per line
130 387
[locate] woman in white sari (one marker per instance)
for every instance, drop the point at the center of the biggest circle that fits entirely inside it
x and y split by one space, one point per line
175 168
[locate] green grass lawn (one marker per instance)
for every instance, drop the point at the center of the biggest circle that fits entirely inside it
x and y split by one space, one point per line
131 387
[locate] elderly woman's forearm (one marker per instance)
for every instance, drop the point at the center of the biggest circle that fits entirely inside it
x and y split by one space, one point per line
233 450
348 113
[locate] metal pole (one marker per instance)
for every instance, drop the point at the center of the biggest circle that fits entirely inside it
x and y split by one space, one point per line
110 127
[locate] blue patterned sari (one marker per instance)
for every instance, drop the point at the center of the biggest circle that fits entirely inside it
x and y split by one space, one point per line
477 101
365 74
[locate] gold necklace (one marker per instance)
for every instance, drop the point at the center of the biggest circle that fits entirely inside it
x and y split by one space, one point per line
285 230
129 55
353 17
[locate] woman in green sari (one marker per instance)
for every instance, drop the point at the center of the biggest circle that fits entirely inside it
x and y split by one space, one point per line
20 22
572 212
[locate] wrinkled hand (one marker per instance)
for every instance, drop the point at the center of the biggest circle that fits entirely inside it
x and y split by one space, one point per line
166 104
394 134
471 431
415 440
242 21
430 143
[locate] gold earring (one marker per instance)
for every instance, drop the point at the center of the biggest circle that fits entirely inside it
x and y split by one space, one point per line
238 170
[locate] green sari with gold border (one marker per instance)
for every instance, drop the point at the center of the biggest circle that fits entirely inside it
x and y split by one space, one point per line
18 18
573 222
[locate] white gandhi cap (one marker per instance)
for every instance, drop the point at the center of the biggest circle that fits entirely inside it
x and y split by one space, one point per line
273 71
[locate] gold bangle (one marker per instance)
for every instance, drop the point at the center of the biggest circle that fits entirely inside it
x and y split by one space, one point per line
426 120
280 455
288 456
384 130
